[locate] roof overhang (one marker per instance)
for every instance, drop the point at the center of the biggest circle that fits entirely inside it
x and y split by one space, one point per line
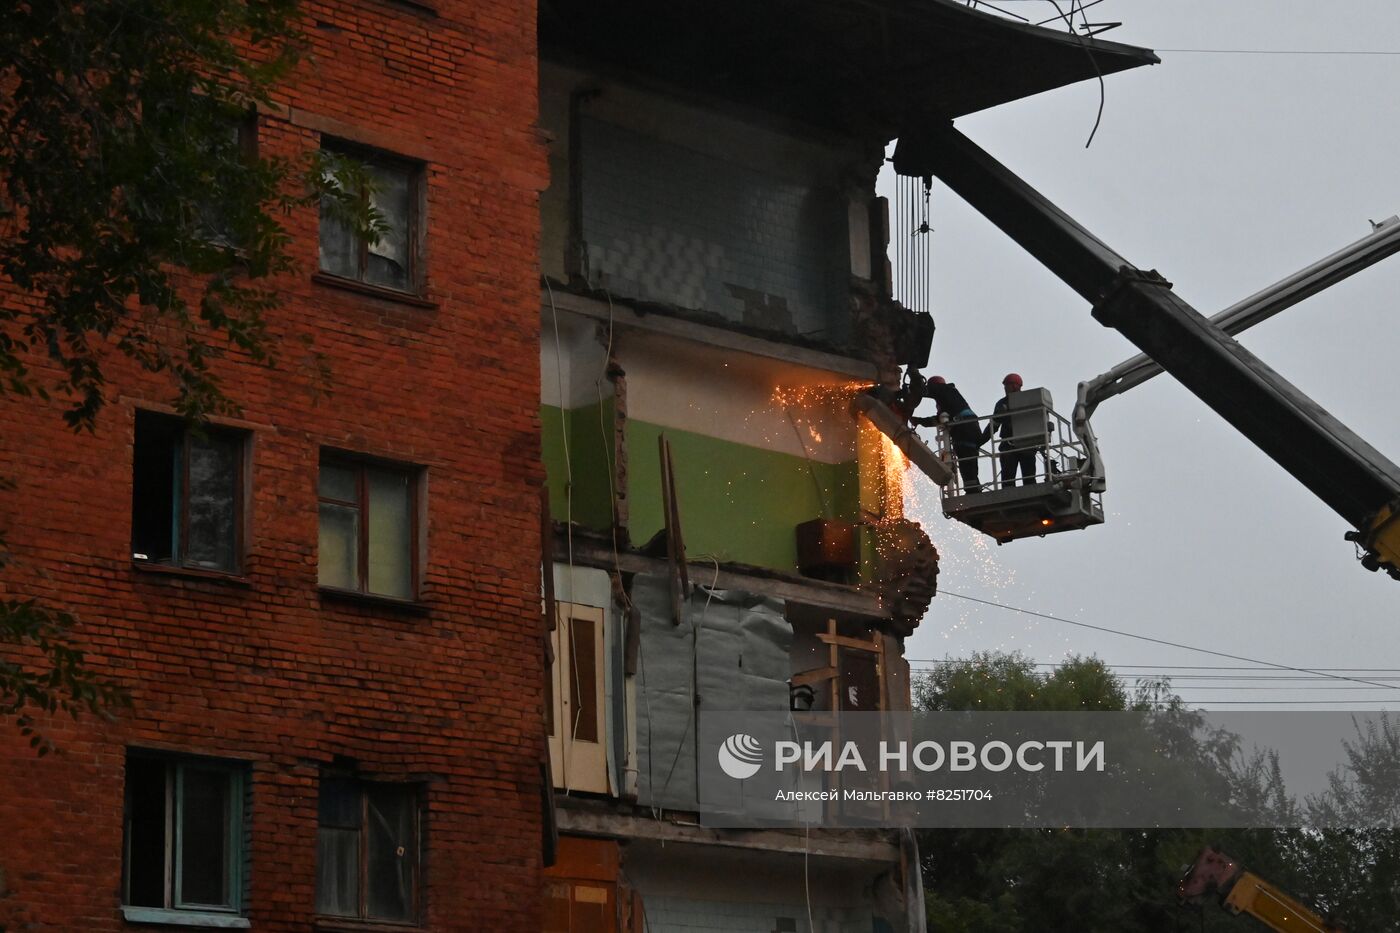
857 67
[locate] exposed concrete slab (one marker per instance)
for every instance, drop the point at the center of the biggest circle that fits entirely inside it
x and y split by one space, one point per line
844 599
625 316
598 818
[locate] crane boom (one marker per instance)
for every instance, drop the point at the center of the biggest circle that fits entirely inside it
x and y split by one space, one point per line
1336 465
1382 241
1243 892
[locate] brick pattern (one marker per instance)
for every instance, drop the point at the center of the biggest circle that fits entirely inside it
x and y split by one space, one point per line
266 670
667 224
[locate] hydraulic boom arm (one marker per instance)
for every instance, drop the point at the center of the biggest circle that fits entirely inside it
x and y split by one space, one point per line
1347 473
1243 892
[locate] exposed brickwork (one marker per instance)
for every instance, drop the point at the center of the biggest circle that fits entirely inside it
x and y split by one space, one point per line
268 670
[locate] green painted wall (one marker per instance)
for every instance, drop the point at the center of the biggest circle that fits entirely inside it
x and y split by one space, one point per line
590 455
737 503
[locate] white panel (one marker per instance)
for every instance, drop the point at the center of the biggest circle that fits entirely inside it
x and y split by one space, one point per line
571 362
730 396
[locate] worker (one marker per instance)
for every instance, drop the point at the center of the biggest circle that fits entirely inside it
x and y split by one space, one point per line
962 428
1016 453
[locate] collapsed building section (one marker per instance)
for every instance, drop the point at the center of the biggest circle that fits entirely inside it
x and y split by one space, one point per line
728 527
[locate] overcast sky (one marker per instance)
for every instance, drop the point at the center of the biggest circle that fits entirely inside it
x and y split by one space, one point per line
1225 172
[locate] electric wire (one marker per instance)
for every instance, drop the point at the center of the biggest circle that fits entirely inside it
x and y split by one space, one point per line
1169 644
1336 52
1103 89
568 516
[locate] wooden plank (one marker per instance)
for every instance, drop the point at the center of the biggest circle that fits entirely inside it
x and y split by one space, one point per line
848 642
814 676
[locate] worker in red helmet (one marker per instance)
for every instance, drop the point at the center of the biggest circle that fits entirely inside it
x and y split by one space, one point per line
1017 453
962 428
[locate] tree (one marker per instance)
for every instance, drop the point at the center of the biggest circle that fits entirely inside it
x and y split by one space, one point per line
134 220
1017 881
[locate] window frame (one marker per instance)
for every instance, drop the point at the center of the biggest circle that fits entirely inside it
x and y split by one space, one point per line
363 788
417 174
173 908
241 441
362 465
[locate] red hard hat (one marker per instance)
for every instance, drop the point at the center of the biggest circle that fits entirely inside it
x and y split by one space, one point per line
1012 379
938 380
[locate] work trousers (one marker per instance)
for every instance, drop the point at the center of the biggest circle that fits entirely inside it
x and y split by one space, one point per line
1013 459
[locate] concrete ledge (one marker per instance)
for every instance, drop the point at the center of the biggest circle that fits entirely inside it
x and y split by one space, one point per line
624 315
602 818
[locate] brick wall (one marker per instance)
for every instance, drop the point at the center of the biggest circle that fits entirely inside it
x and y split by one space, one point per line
266 669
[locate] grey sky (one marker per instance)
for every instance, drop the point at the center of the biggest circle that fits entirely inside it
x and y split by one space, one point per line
1225 173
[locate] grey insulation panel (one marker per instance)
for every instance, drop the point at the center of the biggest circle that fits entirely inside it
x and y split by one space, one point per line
731 650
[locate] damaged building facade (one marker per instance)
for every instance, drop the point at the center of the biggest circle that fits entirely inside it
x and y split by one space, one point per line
675 317
725 505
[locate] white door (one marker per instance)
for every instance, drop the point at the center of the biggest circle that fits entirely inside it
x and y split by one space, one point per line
577 726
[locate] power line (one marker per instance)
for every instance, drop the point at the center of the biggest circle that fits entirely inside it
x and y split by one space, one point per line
1182 667
1230 678
1284 703
1338 52
1170 644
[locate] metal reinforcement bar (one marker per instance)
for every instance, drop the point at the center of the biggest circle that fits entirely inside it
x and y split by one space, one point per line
1347 473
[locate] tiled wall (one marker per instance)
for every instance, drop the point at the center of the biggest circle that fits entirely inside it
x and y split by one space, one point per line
667 224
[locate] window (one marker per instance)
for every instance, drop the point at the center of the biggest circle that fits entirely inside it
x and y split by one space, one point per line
369 534
367 850
183 836
394 191
187 494
233 149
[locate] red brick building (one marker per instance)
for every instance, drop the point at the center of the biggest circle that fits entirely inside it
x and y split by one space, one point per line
327 611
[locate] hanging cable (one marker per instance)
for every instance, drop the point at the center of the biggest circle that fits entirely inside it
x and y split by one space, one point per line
1169 644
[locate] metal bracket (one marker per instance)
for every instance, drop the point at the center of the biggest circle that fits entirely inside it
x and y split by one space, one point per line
1106 309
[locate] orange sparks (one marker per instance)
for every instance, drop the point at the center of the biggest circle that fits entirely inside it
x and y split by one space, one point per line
814 395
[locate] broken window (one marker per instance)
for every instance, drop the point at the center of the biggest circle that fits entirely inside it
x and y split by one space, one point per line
393 189
186 500
183 831
367 850
369 533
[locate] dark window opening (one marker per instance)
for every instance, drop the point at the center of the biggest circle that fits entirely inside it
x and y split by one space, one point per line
183 834
186 502
394 191
369 534
583 685
367 850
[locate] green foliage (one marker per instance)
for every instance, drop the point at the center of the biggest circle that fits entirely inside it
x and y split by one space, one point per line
133 211
59 681
136 218
1123 881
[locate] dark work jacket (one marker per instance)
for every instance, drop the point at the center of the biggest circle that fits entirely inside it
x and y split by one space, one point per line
951 403
1000 423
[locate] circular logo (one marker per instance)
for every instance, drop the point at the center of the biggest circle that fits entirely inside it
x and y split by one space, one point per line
740 756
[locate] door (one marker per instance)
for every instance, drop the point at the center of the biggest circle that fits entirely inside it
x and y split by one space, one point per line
577 724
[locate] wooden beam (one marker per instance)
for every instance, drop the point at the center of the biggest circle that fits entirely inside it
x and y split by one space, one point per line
815 676
845 641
